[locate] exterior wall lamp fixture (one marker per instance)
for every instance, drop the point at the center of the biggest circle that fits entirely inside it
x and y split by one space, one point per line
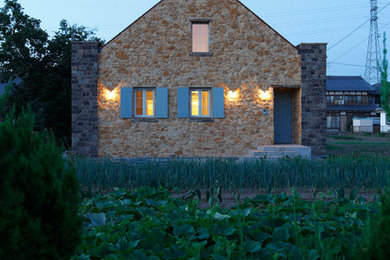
110 94
233 95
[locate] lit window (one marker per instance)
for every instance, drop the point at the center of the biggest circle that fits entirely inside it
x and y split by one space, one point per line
144 102
200 37
200 103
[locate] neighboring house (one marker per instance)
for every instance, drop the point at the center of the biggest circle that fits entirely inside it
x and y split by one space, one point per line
197 78
347 98
375 94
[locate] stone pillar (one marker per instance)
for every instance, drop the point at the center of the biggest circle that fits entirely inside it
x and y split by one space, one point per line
84 98
313 62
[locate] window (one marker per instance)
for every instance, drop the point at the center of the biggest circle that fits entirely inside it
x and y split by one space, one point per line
333 122
144 102
200 37
330 99
200 103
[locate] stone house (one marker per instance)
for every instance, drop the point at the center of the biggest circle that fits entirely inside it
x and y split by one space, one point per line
197 78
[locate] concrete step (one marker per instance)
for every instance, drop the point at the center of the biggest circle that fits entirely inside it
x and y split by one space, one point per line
259 153
254 158
271 151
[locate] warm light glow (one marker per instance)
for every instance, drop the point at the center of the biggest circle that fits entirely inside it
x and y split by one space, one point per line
139 111
144 102
110 95
149 103
200 103
205 103
233 95
264 95
195 103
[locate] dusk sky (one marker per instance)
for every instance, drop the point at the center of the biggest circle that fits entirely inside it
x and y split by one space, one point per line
299 21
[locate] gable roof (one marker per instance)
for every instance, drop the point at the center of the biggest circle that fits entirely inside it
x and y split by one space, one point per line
235 0
347 83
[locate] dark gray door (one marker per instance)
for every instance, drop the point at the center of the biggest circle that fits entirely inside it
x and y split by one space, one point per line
283 118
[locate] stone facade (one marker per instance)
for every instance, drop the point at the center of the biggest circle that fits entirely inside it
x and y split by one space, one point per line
314 96
84 98
246 57
155 51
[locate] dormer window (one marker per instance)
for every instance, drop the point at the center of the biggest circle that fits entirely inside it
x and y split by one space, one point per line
200 37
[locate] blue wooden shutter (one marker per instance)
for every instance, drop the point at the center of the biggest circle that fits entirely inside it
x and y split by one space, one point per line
162 102
218 103
126 102
182 102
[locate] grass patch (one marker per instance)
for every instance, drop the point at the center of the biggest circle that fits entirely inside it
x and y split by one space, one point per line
342 137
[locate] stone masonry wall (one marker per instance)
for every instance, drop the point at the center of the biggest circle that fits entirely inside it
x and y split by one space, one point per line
84 98
247 56
314 96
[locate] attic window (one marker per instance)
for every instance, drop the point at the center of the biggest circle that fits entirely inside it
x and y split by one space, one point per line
200 36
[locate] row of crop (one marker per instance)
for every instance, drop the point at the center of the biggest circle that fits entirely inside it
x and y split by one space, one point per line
148 224
369 172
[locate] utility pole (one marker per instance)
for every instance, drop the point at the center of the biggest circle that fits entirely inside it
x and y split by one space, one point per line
372 74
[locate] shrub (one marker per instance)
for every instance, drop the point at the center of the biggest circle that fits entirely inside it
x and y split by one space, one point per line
39 194
377 235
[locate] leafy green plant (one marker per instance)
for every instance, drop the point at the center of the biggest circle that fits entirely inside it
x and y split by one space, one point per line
385 85
148 224
377 233
39 194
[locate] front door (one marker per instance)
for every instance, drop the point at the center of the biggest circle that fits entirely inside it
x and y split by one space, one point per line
283 118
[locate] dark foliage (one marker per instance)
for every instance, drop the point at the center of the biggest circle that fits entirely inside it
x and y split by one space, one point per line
44 65
377 236
39 194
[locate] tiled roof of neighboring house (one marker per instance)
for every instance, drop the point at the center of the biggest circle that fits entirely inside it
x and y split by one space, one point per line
347 83
377 89
369 107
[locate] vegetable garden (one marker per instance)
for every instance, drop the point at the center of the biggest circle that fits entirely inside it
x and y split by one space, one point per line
149 224
141 220
351 172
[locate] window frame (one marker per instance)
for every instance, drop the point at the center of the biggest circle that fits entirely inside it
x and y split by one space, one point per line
144 105
330 124
200 102
330 99
200 21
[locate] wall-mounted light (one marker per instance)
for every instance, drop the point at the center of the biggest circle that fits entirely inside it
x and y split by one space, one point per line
109 94
233 95
265 95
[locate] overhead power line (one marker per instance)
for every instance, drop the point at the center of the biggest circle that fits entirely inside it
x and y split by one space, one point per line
347 64
360 26
357 45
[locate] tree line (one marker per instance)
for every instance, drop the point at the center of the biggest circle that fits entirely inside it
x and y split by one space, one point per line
43 64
